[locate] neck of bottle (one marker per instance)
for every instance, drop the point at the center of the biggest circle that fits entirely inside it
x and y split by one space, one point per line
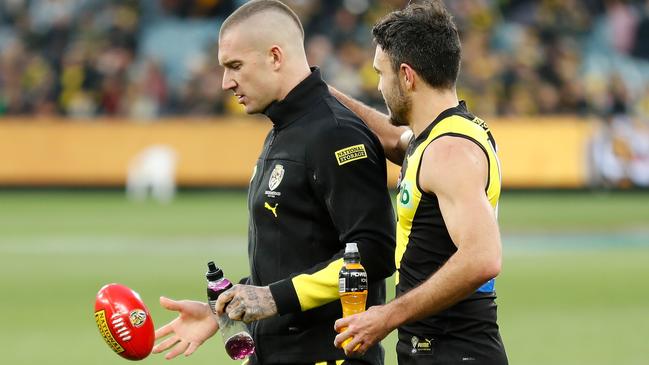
352 258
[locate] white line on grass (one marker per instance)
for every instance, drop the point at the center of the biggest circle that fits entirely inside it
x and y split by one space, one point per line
516 243
119 245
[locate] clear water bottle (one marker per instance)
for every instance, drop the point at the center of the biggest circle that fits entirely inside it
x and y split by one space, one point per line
352 283
238 342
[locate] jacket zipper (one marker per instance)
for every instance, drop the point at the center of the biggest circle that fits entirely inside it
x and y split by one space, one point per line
262 171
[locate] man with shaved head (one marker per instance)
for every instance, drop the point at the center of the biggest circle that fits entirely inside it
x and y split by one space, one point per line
268 36
319 183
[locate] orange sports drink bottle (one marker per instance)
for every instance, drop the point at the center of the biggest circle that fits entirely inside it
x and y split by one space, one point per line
352 284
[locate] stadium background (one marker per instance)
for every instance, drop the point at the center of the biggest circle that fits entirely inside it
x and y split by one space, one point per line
87 85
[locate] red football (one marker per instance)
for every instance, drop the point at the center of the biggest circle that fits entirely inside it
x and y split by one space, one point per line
124 321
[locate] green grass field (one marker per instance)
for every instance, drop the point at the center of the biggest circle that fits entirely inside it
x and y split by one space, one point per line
574 287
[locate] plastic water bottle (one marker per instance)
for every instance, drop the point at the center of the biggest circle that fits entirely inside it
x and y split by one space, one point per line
238 342
352 283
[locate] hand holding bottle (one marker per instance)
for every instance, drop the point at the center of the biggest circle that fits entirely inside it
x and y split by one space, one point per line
352 285
361 331
238 342
246 303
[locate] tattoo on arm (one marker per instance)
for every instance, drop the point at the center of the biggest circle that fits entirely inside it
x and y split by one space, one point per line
252 303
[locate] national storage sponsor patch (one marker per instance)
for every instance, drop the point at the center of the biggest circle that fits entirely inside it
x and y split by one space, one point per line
100 318
351 153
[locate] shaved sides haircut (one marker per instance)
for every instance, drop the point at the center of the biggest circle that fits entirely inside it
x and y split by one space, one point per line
256 7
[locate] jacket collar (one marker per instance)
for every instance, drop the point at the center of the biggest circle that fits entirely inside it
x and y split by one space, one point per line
299 101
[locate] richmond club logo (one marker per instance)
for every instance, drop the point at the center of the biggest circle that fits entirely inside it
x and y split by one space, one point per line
276 177
137 317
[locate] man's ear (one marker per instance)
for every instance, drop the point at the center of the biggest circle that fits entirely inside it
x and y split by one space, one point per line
276 57
407 76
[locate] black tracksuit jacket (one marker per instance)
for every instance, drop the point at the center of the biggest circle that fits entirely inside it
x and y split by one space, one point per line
320 182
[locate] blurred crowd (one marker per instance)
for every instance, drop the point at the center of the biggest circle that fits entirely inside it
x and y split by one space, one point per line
150 58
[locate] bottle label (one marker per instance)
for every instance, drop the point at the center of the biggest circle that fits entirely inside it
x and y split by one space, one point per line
352 280
215 288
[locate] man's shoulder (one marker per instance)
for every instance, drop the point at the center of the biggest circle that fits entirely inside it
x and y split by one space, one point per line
449 162
336 120
340 134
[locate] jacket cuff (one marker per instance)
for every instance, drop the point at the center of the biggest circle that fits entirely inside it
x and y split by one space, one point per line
285 296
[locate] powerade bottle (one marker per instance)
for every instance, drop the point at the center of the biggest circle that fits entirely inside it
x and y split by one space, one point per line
352 284
238 342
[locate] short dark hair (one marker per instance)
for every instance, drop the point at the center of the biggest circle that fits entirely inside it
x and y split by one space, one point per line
424 36
255 7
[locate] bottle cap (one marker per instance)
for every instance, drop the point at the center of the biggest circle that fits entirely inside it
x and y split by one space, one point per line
351 247
351 252
213 273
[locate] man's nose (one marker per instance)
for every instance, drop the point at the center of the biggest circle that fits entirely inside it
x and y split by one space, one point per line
228 84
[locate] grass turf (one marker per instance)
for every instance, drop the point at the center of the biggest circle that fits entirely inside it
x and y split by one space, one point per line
573 288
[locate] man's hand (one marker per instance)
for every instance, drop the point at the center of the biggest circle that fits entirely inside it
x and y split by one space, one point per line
247 303
367 329
193 326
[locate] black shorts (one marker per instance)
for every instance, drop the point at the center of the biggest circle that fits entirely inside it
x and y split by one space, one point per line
442 350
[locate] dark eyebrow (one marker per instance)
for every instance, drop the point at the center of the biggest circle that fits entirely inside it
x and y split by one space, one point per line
230 64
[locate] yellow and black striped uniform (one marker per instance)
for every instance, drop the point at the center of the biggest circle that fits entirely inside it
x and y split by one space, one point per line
424 245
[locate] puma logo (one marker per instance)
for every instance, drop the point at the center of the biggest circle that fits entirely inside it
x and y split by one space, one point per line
272 209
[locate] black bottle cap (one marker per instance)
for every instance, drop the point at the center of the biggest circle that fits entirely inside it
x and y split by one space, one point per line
213 273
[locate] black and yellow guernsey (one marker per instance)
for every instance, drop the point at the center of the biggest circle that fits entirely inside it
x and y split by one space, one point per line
423 241
319 183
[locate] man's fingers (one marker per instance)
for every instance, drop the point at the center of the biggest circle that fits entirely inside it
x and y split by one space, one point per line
177 350
354 347
341 338
342 323
192 347
162 346
163 331
169 304
248 317
223 300
237 313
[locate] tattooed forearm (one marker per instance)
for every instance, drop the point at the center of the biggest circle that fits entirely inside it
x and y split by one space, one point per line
251 303
259 304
